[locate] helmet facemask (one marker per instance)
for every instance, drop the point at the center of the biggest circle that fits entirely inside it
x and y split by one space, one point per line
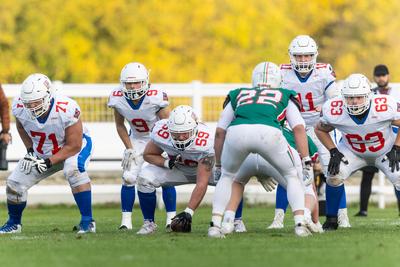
132 75
303 45
303 66
135 93
357 109
37 108
182 126
356 86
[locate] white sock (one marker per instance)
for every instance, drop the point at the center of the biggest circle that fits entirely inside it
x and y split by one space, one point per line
295 193
216 220
229 216
126 216
170 215
222 194
298 219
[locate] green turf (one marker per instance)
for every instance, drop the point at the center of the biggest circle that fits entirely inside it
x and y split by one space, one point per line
47 240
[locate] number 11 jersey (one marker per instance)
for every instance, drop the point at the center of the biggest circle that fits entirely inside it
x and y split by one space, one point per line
143 116
369 137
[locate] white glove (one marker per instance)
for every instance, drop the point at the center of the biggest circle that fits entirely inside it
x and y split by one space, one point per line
129 156
217 173
268 183
42 165
28 162
308 172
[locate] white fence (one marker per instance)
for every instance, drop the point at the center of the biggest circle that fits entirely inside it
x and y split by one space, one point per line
108 147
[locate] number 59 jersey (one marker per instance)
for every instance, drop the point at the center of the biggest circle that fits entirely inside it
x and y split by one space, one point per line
48 134
141 117
371 136
202 147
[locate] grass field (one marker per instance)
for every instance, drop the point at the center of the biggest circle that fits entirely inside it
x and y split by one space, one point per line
47 240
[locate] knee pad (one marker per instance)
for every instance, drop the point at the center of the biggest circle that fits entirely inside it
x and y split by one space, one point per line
15 192
145 185
75 177
129 177
334 181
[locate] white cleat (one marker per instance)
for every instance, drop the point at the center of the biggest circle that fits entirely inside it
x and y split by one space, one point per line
147 228
239 226
313 227
90 228
343 219
215 232
125 226
278 220
227 228
301 230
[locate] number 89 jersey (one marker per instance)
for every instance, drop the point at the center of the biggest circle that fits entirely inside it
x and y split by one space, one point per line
48 136
202 147
141 117
370 137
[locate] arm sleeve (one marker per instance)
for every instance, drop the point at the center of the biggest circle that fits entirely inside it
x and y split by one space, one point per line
293 115
227 116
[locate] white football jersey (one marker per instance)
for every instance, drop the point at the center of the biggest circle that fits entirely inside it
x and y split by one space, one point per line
48 136
141 117
370 137
313 90
202 147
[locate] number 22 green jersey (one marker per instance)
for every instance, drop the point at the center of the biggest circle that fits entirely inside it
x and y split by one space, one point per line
260 106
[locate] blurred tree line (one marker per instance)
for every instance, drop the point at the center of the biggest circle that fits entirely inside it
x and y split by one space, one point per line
180 41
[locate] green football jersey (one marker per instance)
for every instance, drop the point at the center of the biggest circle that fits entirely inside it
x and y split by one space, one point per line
312 148
260 106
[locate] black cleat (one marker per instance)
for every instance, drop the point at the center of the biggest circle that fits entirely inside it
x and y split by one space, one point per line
361 213
331 223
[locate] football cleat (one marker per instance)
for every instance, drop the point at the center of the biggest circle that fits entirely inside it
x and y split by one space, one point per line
301 230
215 232
361 213
239 226
312 226
77 227
85 228
331 224
11 228
343 219
277 223
147 228
227 227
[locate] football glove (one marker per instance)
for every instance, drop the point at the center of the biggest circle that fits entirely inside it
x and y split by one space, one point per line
334 162
42 165
171 162
393 156
269 183
308 171
217 173
28 162
129 156
182 223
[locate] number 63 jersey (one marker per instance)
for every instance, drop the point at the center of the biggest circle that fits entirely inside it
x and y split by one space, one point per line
141 117
202 147
48 134
369 137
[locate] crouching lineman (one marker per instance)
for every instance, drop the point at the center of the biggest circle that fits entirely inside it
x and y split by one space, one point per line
189 145
52 132
365 122
255 115
141 106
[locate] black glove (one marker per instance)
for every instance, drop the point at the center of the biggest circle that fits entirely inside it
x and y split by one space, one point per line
334 162
182 223
42 165
394 158
173 160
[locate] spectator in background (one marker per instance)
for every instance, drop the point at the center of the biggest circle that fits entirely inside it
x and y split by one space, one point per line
381 77
5 135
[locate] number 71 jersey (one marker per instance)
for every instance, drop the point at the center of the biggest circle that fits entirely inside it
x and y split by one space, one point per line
48 136
370 137
141 117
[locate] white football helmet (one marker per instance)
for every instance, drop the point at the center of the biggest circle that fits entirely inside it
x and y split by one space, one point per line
303 45
182 120
356 85
266 75
36 94
132 73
